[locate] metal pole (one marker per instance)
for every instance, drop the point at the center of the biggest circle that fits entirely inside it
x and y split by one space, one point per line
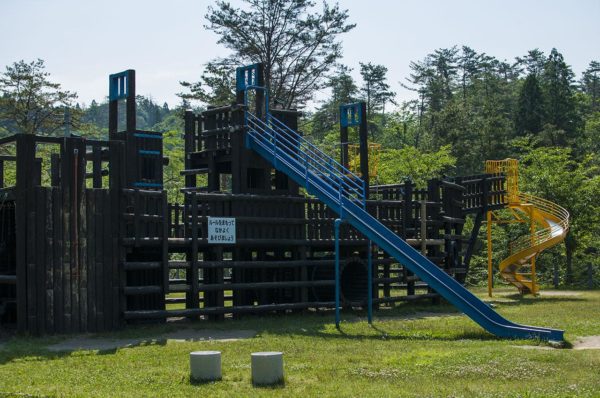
489 252
337 224
370 282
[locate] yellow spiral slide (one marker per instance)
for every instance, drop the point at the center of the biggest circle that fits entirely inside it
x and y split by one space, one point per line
548 226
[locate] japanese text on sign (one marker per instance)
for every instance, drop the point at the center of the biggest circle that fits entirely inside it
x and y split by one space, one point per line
221 230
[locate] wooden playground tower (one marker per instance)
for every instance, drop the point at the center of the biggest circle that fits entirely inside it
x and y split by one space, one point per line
90 242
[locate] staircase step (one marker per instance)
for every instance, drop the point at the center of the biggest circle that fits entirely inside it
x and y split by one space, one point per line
141 265
190 172
8 279
194 189
142 290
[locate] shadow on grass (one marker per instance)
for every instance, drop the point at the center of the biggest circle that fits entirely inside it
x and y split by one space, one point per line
32 349
517 299
382 334
307 323
200 383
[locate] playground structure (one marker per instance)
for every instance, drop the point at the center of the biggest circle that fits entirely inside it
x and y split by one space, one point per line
548 227
91 243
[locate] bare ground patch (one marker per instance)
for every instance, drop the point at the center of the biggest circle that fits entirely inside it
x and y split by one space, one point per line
185 335
559 293
587 343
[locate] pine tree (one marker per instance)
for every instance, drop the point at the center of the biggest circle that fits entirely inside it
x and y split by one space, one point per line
297 44
557 88
216 85
30 103
375 89
530 107
590 84
533 63
343 91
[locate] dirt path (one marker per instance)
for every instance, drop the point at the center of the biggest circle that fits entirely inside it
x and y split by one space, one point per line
184 335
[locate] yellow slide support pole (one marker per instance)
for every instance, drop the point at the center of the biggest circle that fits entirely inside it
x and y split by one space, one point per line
489 252
534 288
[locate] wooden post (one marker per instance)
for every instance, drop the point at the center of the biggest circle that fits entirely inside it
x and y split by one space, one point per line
131 101
260 94
97 166
363 136
193 274
24 185
55 169
344 146
189 145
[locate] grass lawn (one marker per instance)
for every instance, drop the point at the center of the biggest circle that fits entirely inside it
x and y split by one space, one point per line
411 351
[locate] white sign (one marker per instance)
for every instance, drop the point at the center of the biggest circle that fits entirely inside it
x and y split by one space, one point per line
221 230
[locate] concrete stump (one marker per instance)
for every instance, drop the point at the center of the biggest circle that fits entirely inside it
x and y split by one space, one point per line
267 368
205 365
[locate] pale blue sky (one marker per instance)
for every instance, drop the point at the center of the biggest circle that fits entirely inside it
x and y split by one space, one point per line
83 41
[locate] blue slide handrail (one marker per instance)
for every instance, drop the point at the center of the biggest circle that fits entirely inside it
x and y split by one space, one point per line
344 193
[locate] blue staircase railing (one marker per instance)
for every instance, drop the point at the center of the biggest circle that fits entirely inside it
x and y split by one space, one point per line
344 193
288 146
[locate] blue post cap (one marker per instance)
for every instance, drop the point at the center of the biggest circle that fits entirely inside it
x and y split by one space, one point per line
350 114
117 88
246 76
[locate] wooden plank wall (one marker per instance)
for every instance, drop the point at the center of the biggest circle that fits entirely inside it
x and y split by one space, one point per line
65 296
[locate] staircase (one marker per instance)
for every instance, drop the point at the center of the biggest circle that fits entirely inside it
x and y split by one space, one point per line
344 193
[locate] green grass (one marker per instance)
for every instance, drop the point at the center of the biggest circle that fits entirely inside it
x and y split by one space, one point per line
401 355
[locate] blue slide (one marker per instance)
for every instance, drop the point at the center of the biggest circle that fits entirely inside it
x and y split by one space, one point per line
344 193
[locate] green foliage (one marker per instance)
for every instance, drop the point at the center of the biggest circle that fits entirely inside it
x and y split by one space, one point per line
553 174
174 150
216 86
30 103
590 85
343 91
530 107
398 165
375 90
148 114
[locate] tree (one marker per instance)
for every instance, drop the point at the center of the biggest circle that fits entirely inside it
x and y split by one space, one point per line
533 62
216 85
343 91
590 84
297 45
30 102
557 86
530 107
414 164
469 65
375 89
435 80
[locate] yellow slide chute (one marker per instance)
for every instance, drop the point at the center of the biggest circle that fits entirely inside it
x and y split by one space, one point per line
548 226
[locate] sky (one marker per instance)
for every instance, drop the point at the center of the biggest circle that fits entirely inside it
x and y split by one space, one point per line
83 41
